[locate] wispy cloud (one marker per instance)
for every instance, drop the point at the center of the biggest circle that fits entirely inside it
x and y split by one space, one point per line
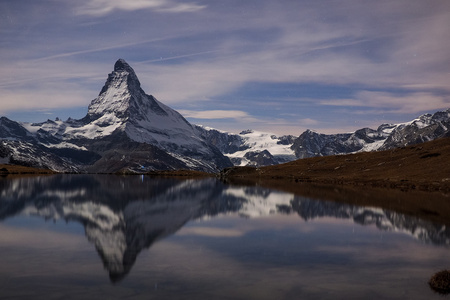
100 49
161 59
385 102
104 7
376 57
308 122
214 114
48 98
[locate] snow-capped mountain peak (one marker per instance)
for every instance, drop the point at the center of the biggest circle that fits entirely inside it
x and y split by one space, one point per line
123 96
123 107
125 128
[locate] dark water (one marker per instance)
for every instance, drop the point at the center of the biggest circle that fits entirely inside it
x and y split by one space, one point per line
135 237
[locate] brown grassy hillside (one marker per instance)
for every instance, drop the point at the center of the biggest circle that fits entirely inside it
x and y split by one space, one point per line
418 178
8 170
424 166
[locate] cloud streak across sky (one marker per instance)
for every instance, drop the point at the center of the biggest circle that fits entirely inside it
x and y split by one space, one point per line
104 7
280 66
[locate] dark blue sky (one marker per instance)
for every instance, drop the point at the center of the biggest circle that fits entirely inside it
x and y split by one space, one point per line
279 66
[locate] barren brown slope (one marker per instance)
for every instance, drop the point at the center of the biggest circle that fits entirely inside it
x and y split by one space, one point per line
8 170
424 166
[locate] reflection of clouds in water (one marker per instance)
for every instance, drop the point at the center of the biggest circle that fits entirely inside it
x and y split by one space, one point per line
217 273
394 251
239 241
33 255
38 238
210 232
333 263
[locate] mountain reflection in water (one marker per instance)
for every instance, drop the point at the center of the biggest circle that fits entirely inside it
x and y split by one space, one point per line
124 215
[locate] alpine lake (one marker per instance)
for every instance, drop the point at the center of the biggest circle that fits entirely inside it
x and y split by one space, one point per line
141 237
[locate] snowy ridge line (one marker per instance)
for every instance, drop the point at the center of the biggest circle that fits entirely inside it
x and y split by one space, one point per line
127 129
258 148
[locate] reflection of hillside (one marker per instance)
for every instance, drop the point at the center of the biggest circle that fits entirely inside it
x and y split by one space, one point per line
123 215
381 218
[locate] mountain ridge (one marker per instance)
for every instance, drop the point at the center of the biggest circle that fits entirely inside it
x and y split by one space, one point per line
126 129
244 148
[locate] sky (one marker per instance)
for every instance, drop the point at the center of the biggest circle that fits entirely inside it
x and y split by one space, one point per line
279 66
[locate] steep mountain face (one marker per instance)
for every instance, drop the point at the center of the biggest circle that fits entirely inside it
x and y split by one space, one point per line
124 129
426 128
122 105
311 143
10 130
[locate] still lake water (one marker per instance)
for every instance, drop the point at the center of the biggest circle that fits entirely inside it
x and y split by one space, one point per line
137 237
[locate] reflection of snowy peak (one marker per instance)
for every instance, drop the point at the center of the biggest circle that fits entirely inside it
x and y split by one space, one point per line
123 129
125 214
260 202
116 217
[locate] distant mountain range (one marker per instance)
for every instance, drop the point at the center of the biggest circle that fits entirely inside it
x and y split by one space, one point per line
127 130
261 149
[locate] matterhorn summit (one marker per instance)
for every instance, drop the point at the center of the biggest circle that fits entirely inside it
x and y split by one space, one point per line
124 111
121 89
124 130
122 105
123 97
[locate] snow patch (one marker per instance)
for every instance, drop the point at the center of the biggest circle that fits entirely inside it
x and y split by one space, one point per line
258 141
260 205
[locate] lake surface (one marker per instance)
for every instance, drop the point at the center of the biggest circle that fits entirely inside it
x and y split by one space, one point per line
138 237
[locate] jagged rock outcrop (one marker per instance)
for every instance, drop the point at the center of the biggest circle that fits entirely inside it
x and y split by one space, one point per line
387 136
